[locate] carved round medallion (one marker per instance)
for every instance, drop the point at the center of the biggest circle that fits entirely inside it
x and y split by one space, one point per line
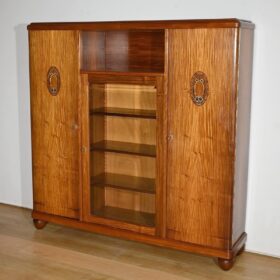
199 88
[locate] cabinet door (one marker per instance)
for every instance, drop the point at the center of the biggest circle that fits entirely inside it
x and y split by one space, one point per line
123 151
55 131
201 141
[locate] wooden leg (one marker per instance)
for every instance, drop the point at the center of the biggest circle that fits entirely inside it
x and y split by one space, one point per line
39 224
226 264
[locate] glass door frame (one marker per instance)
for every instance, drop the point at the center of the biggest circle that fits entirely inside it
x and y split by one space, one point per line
158 80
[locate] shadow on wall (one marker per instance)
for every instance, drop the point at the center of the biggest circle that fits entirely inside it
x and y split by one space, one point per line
22 59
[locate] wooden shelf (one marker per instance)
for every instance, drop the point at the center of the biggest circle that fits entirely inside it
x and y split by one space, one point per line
124 112
138 73
125 147
119 181
126 215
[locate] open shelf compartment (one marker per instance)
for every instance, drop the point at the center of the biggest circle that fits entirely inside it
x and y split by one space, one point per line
126 182
122 123
124 112
127 215
124 147
123 50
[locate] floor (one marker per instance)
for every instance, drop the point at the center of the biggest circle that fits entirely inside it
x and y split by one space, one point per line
57 252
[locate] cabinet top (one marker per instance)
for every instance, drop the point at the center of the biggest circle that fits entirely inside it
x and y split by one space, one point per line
159 24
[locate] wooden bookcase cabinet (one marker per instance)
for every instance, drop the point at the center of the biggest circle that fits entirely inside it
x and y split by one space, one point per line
140 130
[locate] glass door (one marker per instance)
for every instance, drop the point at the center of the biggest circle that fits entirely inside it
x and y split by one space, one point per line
122 157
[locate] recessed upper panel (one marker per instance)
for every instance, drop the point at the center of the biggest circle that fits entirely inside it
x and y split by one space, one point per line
123 51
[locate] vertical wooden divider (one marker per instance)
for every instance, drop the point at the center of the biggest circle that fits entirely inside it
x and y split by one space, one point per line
161 164
85 147
161 146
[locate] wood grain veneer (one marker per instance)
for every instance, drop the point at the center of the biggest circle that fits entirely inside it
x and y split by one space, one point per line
124 147
164 105
127 231
55 122
163 24
124 112
123 50
201 153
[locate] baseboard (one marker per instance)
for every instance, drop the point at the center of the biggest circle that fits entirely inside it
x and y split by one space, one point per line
14 205
262 253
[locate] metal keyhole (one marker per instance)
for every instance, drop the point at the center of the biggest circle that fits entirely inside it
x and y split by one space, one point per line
75 126
170 137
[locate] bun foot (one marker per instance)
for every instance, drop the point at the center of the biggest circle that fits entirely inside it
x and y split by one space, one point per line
39 224
225 264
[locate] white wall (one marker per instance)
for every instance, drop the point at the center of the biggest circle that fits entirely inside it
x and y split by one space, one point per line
263 215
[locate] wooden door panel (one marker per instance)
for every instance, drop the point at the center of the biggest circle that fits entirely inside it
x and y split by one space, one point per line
55 132
201 146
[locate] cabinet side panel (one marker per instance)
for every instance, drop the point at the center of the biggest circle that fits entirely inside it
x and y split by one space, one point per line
201 141
242 131
55 131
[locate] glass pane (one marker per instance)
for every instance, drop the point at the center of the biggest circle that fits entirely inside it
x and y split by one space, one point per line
123 152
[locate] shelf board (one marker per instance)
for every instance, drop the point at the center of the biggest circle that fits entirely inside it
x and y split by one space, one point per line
125 148
124 112
125 182
126 215
121 73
